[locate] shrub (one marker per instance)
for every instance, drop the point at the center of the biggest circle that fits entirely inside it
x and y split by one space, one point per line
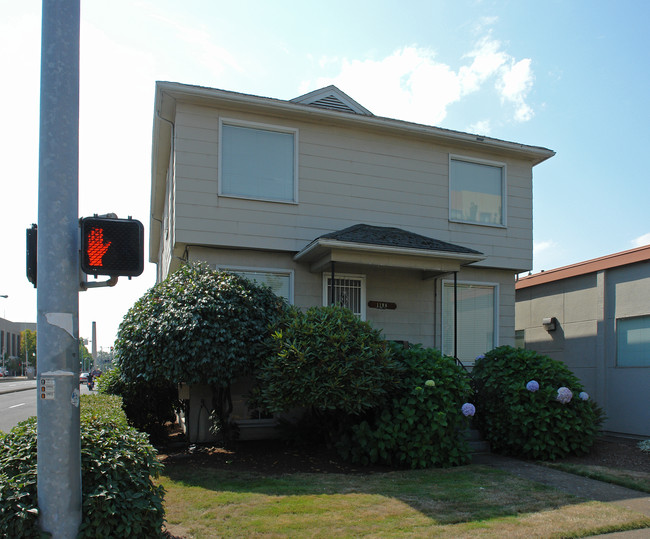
531 406
422 424
117 464
198 326
328 360
147 404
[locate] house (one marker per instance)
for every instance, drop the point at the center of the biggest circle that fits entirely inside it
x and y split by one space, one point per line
595 317
419 230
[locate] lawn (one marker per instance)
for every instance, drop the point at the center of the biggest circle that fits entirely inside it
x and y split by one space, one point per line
468 501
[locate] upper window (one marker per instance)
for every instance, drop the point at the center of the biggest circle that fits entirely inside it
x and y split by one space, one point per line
258 162
633 342
477 192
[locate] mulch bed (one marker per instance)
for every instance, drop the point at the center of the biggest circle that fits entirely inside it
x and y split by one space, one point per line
615 453
278 457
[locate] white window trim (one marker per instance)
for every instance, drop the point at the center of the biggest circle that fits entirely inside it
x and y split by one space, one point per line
362 278
497 299
264 127
256 269
504 185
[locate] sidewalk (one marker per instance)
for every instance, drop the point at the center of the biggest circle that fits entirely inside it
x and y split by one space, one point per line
578 486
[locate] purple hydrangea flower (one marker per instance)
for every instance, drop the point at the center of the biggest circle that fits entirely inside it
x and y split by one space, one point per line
532 386
584 395
564 395
481 356
468 409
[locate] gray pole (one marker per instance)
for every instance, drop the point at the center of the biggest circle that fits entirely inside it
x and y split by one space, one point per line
94 346
59 448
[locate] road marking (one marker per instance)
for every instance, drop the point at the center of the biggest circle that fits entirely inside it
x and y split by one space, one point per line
17 405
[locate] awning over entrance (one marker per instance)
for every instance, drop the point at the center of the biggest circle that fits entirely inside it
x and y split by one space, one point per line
368 245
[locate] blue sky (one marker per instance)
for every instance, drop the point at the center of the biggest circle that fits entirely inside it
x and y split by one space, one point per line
572 76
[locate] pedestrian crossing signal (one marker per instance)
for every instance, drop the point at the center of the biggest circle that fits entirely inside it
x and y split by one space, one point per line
113 247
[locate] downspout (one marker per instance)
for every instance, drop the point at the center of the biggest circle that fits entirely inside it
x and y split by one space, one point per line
172 172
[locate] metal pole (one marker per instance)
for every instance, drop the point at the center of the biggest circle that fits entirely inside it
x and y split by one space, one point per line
59 448
94 345
332 296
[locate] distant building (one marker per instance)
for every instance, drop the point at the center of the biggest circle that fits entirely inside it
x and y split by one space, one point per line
595 317
10 336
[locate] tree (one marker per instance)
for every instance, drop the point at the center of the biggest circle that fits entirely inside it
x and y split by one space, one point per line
28 343
198 326
85 357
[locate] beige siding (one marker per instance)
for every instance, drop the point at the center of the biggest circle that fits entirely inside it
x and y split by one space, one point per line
414 318
345 177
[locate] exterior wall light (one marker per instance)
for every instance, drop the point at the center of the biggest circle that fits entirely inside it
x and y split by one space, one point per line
549 323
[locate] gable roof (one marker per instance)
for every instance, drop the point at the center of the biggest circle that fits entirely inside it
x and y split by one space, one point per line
367 245
623 258
332 98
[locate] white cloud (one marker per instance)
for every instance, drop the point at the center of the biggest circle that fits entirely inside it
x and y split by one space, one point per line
514 85
481 127
541 246
201 48
641 240
411 84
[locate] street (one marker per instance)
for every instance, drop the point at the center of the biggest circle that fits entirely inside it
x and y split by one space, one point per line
18 404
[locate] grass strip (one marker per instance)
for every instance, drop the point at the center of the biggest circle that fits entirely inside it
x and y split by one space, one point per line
625 478
458 502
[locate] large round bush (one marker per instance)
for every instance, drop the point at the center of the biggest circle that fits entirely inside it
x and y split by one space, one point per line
421 426
199 325
326 359
532 406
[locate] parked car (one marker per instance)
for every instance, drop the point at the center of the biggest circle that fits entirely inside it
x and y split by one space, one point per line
83 378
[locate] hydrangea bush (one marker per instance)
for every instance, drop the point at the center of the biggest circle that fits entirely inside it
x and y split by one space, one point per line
421 425
525 405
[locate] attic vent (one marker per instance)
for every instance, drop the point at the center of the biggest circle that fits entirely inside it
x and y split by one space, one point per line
332 98
331 102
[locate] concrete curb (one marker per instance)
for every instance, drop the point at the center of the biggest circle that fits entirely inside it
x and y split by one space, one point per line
6 390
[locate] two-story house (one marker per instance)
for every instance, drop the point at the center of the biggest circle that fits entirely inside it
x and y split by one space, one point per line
418 229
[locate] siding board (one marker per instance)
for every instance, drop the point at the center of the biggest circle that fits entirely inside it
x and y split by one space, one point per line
346 176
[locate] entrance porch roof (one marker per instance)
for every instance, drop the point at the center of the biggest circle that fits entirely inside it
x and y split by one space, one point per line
368 245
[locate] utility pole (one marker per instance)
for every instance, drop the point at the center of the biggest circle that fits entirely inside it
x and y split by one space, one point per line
59 447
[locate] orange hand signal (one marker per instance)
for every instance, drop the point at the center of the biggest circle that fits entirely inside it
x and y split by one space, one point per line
96 246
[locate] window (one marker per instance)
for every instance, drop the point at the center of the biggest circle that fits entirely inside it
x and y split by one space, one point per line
476 319
349 291
278 281
258 162
477 192
633 341
520 338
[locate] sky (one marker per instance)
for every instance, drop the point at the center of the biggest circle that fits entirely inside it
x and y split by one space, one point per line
569 75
